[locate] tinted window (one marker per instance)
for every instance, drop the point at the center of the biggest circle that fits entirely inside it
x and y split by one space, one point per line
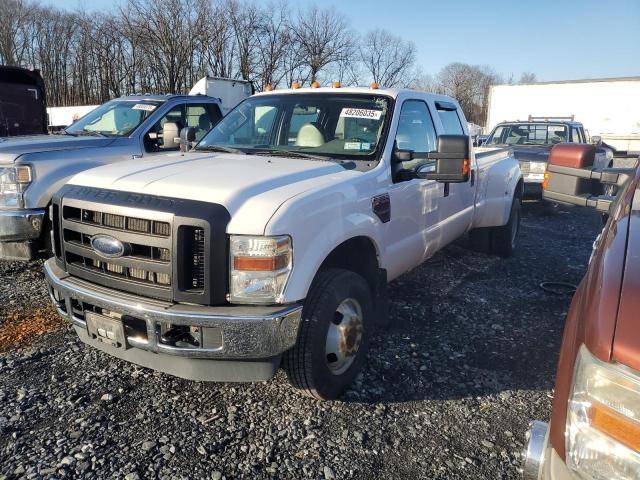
450 121
528 134
202 117
415 129
575 135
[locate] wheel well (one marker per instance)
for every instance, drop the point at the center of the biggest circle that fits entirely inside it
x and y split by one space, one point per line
358 255
519 192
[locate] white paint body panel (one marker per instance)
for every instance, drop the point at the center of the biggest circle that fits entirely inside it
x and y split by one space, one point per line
321 204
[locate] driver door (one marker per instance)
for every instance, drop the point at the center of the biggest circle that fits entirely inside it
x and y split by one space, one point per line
414 233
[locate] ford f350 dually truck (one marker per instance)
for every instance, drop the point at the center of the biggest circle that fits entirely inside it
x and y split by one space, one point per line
125 129
272 241
594 432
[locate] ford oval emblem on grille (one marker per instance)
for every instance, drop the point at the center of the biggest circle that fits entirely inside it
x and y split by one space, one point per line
107 246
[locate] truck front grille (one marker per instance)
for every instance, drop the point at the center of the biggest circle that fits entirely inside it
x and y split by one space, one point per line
144 268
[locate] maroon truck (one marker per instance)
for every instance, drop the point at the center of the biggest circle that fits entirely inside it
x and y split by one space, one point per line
594 432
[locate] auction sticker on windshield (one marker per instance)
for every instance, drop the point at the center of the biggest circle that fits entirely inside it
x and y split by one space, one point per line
144 106
361 113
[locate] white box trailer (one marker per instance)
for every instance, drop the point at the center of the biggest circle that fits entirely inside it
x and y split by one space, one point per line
230 92
607 107
62 117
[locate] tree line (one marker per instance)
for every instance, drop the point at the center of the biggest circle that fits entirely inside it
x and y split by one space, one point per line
165 46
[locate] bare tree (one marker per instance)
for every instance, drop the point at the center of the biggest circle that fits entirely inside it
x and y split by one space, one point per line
14 34
387 58
322 38
528 77
470 85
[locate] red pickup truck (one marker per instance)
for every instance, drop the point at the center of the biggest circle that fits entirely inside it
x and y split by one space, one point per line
594 432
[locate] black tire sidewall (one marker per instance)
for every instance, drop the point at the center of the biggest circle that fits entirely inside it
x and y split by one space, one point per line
342 286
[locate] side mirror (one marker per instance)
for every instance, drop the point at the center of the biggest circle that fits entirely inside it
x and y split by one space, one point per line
596 140
452 160
169 135
187 137
572 179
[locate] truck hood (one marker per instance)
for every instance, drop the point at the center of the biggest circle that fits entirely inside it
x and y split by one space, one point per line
250 187
13 147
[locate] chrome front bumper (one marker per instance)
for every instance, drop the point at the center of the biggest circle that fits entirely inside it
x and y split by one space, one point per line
247 333
20 225
541 461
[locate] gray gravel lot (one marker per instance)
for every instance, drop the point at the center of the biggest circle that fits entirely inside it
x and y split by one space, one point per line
447 393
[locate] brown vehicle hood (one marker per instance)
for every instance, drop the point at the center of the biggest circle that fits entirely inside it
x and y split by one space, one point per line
626 343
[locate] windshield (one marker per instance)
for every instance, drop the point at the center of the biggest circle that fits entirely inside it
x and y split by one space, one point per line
528 134
344 126
116 118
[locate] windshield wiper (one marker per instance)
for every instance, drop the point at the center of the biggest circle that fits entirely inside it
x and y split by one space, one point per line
90 133
220 148
292 154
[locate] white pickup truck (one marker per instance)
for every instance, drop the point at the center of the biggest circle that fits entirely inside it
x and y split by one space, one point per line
271 242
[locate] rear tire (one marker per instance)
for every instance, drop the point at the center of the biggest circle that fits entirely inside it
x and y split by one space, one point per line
504 239
333 338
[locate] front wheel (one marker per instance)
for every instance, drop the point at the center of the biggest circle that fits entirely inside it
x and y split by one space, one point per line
504 239
333 339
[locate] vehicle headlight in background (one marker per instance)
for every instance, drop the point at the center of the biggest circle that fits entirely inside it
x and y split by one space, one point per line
603 420
538 167
259 268
13 182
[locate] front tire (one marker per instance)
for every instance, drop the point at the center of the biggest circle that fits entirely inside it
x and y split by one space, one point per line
504 239
333 339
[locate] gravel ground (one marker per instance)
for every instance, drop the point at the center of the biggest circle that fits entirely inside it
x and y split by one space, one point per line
447 393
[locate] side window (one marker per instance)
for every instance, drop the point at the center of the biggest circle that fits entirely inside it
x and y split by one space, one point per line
157 139
254 126
202 117
415 129
448 114
575 135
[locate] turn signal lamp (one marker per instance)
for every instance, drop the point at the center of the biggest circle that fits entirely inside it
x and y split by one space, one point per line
337 84
315 84
545 182
466 167
295 85
625 430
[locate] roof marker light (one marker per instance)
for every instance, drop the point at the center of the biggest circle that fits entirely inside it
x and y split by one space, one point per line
337 84
375 85
315 84
268 88
295 85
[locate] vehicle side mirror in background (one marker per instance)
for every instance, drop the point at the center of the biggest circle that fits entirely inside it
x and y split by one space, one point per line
452 160
596 140
187 137
170 135
572 179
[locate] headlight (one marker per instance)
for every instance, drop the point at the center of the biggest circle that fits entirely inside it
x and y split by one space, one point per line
260 268
13 183
538 167
603 420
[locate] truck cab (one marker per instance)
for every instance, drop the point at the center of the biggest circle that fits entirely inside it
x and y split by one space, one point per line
271 242
594 431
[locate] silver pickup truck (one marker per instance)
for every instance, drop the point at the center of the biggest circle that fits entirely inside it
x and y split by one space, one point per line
33 168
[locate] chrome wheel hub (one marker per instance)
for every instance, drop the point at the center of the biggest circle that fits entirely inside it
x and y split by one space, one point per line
344 336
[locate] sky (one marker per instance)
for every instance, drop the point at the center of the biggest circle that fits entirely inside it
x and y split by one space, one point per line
556 40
